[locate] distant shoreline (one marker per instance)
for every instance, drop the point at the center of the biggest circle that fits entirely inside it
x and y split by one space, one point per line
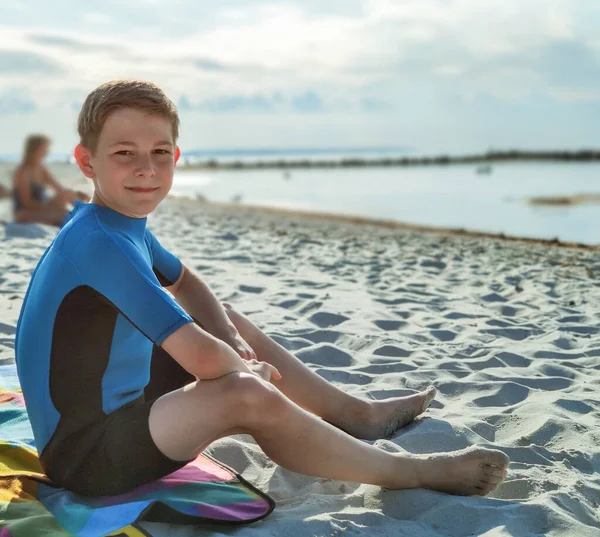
252 161
491 157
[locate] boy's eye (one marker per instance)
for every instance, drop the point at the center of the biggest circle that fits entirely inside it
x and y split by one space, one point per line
126 153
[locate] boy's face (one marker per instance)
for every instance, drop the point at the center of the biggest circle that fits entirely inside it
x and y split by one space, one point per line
133 165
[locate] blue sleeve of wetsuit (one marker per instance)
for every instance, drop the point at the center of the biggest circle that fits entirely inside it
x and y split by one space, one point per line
118 270
165 265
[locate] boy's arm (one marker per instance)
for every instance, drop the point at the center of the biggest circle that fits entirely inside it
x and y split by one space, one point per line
198 300
201 354
117 269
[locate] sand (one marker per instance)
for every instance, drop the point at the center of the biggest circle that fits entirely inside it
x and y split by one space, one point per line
509 333
578 199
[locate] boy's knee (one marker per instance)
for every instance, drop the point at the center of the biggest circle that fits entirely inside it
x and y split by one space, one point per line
259 401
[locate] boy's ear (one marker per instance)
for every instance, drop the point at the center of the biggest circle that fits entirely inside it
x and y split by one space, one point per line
177 154
83 158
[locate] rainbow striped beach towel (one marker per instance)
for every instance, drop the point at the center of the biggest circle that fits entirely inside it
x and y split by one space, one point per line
204 492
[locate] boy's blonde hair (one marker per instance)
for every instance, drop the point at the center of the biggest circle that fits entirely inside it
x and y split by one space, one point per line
107 98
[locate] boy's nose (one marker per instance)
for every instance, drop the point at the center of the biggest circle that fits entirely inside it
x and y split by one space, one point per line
144 166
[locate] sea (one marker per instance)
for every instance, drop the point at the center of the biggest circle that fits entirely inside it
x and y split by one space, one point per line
454 196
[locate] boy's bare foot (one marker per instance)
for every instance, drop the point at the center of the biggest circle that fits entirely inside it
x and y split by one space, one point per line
382 419
472 471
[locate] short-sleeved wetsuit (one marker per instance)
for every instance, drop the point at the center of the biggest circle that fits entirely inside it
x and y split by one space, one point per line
93 316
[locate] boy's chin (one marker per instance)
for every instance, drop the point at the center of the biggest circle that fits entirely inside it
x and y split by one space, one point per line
140 209
144 209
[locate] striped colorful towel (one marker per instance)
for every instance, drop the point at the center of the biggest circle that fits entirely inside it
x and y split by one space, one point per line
203 492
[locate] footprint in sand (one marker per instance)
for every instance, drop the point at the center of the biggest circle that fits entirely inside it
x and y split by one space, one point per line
516 334
579 407
509 393
320 336
288 304
324 319
325 354
388 325
443 335
433 264
493 297
392 350
7 329
513 360
251 289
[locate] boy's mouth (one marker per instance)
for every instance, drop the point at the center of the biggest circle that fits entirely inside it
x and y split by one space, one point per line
141 189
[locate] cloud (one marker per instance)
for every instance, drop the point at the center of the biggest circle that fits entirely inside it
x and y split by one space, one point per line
569 63
15 102
550 68
308 102
237 103
374 49
417 62
25 62
206 64
97 18
72 44
368 104
184 104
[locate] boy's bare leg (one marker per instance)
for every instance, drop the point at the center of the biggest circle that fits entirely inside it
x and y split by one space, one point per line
184 422
359 417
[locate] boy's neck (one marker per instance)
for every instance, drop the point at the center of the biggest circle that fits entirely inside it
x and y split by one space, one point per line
97 200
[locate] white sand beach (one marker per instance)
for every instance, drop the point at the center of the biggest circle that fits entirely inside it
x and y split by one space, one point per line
508 332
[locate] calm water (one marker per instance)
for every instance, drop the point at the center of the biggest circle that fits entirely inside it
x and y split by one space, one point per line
451 196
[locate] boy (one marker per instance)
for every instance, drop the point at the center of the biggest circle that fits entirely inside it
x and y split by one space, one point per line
123 385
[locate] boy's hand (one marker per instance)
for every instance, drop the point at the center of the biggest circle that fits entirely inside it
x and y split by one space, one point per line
263 370
239 345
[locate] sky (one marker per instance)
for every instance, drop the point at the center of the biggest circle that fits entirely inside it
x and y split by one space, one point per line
430 76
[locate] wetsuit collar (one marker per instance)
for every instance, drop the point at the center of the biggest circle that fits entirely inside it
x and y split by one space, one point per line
117 220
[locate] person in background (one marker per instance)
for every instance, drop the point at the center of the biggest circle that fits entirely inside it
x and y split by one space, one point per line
32 201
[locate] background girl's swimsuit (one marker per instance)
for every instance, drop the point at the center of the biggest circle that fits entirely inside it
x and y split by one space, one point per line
37 193
93 317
